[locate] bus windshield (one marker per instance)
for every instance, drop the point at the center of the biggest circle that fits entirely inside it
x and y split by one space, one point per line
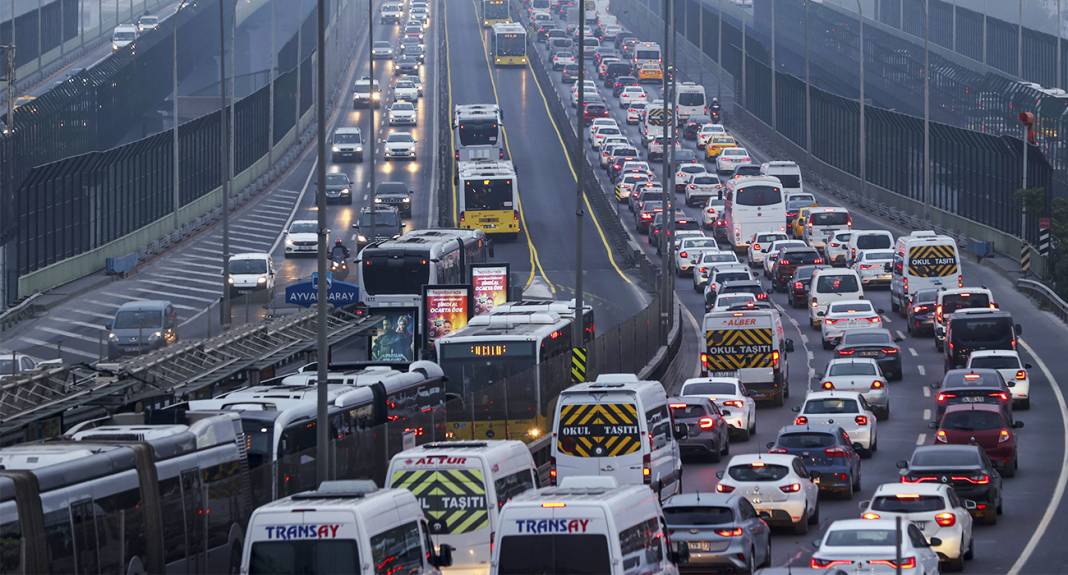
495 379
511 44
386 275
479 133
758 196
300 556
488 194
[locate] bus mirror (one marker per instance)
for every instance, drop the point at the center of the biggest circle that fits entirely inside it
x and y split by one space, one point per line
1019 330
443 558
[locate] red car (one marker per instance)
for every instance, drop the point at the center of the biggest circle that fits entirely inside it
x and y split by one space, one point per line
592 110
985 425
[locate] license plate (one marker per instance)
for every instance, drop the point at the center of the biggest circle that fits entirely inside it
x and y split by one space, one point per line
973 399
724 373
700 545
869 353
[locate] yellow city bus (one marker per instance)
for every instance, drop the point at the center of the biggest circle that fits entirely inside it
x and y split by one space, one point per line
489 197
508 44
495 12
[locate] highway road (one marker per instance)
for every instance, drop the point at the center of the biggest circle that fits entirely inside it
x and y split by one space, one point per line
1024 539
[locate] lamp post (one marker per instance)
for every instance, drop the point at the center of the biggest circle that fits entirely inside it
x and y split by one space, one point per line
372 135
322 430
862 145
577 152
927 199
808 90
225 172
174 112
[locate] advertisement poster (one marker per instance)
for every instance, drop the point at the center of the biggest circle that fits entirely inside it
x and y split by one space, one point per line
394 340
447 309
489 286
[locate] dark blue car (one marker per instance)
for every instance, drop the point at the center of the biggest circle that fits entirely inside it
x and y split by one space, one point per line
829 456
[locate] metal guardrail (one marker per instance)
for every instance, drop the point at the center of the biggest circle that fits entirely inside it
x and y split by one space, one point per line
1046 297
24 309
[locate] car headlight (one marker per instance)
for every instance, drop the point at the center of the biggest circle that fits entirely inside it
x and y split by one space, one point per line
345 192
261 280
406 200
378 200
361 237
359 149
289 242
335 149
113 337
376 96
154 336
230 280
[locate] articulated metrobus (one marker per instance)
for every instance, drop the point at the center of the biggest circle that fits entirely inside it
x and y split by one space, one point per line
489 197
508 44
508 367
495 12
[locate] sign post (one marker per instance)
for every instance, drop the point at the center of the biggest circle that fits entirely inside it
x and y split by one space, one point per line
306 294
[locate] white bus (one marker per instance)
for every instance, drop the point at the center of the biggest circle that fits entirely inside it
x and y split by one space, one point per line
488 197
753 204
477 132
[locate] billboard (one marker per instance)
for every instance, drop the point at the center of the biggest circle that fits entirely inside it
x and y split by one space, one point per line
446 309
489 286
394 340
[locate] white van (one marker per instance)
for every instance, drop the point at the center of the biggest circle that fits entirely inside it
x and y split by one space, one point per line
831 285
620 427
461 487
823 224
788 173
587 525
923 260
690 99
861 240
342 527
251 272
123 36
752 346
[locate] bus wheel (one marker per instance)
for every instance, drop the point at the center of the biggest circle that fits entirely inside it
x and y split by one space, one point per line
235 558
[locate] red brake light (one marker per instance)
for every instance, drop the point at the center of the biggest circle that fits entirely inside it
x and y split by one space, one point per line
906 563
1003 396
983 479
784 262
846 352
800 420
791 488
1021 375
799 285
870 515
721 488
1004 436
777 450
764 296
683 255
818 261
836 451
736 532
827 385
733 403
946 519
756 247
706 423
890 350
677 405
828 563
942 397
861 419
940 436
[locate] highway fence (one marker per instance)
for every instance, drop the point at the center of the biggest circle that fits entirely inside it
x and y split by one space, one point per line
74 205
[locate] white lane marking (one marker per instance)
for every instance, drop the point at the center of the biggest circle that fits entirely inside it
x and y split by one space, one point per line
52 345
96 326
176 295
434 71
1062 479
296 206
927 415
900 334
921 439
804 337
912 352
887 319
217 281
811 356
171 284
216 268
923 371
68 334
93 313
244 234
697 330
926 390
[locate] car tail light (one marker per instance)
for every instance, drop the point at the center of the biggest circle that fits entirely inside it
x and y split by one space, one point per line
846 352
905 285
756 247
647 469
836 451
791 488
647 216
799 286
784 262
831 321
677 405
889 350
721 488
775 359
816 563
938 313
763 295
867 266
906 563
1003 396
960 281
735 532
827 385
946 519
861 419
800 420
683 255
919 309
979 479
940 436
877 384
710 211
552 470
870 515
1004 436
818 261
942 397
706 423
704 270
500 154
1021 375
777 450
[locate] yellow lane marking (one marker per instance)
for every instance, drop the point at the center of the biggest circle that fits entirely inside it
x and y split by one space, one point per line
452 133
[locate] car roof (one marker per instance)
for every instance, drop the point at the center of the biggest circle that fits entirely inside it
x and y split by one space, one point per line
250 256
708 499
955 407
810 428
987 377
926 488
773 458
958 447
844 360
995 353
871 330
689 399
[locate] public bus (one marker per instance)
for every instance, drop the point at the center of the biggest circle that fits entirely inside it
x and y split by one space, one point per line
495 12
753 204
508 367
477 131
508 44
489 197
127 494
646 53
375 413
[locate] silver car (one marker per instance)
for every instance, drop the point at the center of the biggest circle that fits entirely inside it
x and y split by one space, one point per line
722 530
861 375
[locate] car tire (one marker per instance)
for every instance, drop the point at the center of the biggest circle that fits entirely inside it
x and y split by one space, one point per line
814 519
696 288
1024 404
938 345
743 434
954 565
1010 470
715 454
827 345
893 304
970 553
801 527
726 450
856 481
849 491
780 400
990 517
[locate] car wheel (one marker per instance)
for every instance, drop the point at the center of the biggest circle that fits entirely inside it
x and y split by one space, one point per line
743 434
990 517
893 304
696 288
767 554
749 562
1024 404
1010 470
726 445
970 553
814 519
827 345
938 345
954 565
715 454
856 480
801 527
848 493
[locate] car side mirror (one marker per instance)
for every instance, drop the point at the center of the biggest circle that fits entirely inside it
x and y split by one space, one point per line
443 558
107 326
766 516
404 224
970 505
719 474
1017 425
1010 384
1019 329
820 314
411 192
932 425
285 232
789 346
1027 366
770 444
902 464
681 431
816 543
796 409
934 542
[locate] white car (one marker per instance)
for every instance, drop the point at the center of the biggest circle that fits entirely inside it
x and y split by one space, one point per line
1012 370
406 91
935 509
855 544
721 274
691 250
759 244
609 147
776 484
772 253
382 49
400 146
709 260
147 22
563 58
731 158
843 316
707 132
634 112
701 188
686 172
734 300
402 114
862 375
589 94
710 213
874 266
599 123
302 237
846 409
597 138
414 79
738 409
831 285
837 249
632 94
251 272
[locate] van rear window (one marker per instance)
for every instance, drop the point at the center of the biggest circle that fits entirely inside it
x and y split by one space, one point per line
873 242
300 556
981 330
829 218
757 472
598 429
571 554
837 284
957 301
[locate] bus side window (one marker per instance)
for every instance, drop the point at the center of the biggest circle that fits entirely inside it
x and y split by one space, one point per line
86 544
224 484
60 539
11 542
120 529
509 486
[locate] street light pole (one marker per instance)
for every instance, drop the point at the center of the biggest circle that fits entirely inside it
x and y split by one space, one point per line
580 214
719 54
774 113
669 192
174 112
927 199
372 136
225 172
808 91
322 429
863 130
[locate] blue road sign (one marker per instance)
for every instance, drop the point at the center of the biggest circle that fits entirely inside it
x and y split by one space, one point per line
338 293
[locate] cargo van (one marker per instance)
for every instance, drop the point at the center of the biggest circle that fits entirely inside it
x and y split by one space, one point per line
587 525
831 285
461 487
690 99
952 300
861 240
342 527
923 260
619 427
752 346
969 330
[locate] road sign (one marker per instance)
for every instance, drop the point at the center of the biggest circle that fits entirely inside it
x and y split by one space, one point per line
1044 240
1043 223
306 293
578 364
1025 259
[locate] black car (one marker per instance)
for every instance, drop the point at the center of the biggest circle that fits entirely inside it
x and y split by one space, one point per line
569 74
406 65
693 125
744 286
387 224
660 238
827 452
920 312
621 82
973 386
974 329
395 194
877 344
613 71
747 170
415 50
708 433
966 468
797 290
338 188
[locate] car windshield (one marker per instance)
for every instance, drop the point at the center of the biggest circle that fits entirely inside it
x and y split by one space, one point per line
383 219
249 266
859 368
706 180
972 420
700 243
685 411
978 330
399 138
125 35
852 307
731 275
303 228
404 106
953 302
908 503
867 338
925 296
797 202
830 405
839 283
709 388
861 538
392 188
952 457
337 180
994 362
304 556
138 319
735 152
729 300
807 440
383 44
873 241
758 471
698 515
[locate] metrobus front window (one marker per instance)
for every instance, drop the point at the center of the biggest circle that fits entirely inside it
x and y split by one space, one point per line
479 132
647 55
511 44
495 379
488 194
299 556
758 196
386 275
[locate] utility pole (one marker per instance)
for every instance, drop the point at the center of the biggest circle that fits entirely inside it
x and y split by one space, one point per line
863 130
719 53
174 114
372 135
7 202
225 172
808 91
927 199
670 250
322 429
668 213
774 100
579 324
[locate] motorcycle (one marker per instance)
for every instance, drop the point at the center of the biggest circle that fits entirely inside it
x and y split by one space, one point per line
714 114
339 267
